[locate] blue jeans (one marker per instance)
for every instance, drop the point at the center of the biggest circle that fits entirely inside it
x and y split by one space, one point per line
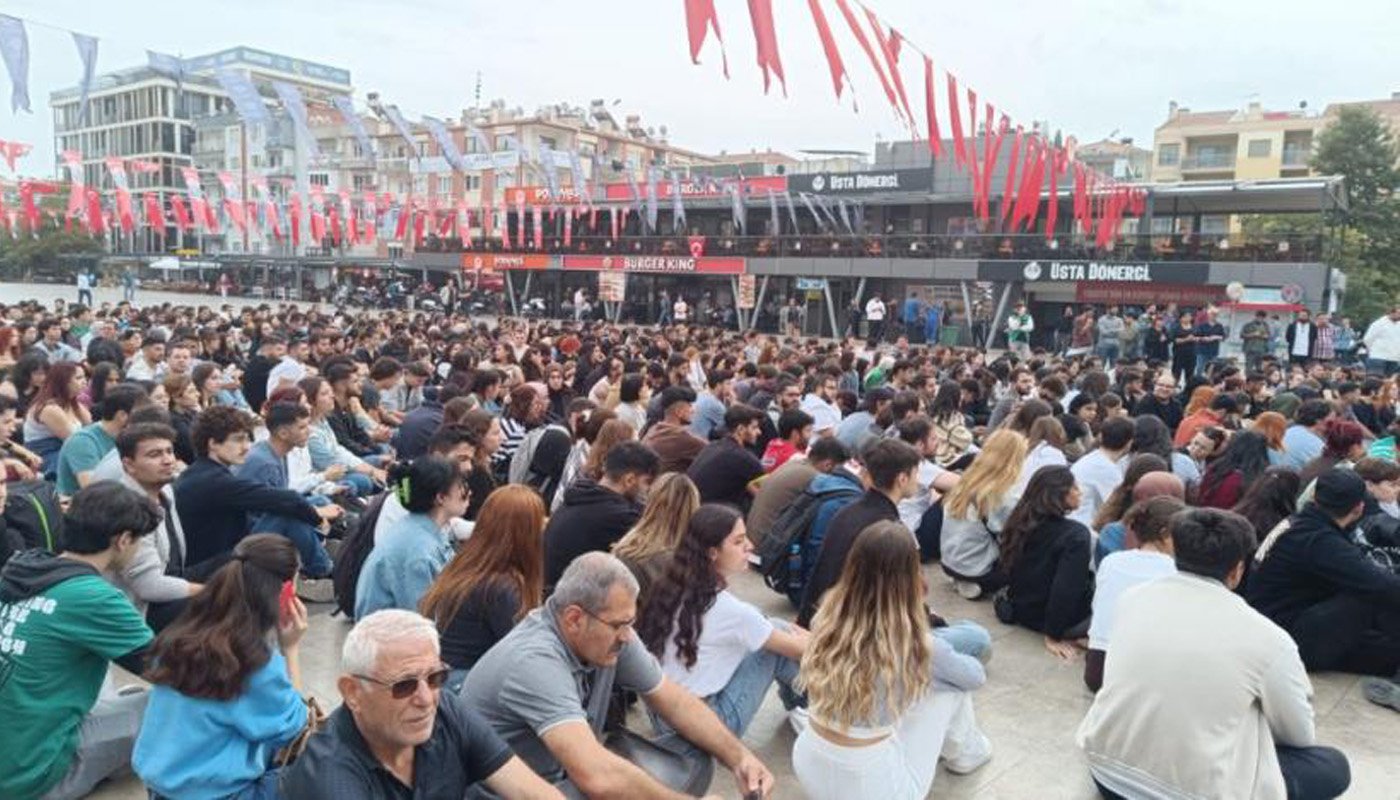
315 561
1376 366
738 702
361 485
966 637
1109 352
264 788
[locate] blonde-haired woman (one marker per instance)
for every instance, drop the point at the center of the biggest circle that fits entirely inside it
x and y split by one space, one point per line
975 511
648 547
883 694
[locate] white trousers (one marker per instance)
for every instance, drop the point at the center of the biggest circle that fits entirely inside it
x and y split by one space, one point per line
902 766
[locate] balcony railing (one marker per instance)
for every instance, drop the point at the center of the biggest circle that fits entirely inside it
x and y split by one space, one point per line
1208 161
1276 248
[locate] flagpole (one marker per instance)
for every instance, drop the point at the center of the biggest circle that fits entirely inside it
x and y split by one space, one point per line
243 171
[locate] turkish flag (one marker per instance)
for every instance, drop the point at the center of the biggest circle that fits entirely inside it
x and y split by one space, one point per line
955 119
935 137
154 218
833 55
700 16
181 213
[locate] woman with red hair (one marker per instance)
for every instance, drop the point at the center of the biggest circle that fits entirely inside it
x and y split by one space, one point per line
56 413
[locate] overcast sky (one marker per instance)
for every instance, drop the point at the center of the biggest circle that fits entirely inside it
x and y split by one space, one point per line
1089 67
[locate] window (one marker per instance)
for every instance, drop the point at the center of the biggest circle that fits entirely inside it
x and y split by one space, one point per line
444 184
548 143
473 183
1215 224
1259 148
319 179
1169 155
362 182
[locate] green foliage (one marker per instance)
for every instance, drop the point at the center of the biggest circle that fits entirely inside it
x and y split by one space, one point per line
22 258
1360 146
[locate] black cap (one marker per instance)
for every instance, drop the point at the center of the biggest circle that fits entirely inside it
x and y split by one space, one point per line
1339 490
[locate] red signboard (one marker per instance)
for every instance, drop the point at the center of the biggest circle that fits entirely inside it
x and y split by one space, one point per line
539 196
1141 294
673 264
487 262
698 188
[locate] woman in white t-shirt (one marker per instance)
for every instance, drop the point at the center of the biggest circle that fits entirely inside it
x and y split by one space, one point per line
717 646
1149 558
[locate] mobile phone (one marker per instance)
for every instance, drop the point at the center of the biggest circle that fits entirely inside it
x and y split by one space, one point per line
285 600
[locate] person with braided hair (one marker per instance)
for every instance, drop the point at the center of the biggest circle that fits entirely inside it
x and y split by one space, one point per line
408 557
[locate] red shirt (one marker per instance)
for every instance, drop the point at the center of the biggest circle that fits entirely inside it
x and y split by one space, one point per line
777 453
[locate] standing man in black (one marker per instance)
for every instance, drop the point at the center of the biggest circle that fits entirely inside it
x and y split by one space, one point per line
893 466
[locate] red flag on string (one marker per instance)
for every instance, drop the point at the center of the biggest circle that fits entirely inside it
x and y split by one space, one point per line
1008 188
420 222
444 226
333 218
864 42
95 221
318 226
401 226
700 16
1028 187
154 217
1052 213
27 205
991 153
935 137
294 219
183 221
833 55
955 120
766 40
890 48
1037 184
538 220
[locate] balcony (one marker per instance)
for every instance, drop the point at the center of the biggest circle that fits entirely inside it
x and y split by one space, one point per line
1296 157
1208 162
1282 248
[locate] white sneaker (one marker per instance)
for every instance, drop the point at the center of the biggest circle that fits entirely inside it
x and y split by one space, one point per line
799 719
972 758
967 590
316 590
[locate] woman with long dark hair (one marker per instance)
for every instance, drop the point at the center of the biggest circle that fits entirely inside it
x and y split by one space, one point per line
709 641
227 680
889 702
481 480
184 405
1046 557
1230 475
493 581
1272 499
55 413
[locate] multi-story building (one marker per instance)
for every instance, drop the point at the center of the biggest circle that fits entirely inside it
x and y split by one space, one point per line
1119 159
1248 144
145 115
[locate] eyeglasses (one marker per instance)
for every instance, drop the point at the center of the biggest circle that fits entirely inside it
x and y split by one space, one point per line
404 688
618 627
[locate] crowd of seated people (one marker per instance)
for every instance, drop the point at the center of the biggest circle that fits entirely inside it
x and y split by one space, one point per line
542 538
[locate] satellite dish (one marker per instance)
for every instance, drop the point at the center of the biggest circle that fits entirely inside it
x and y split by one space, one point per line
1234 291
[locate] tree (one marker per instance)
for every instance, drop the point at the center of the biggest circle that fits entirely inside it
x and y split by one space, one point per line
21 258
1360 147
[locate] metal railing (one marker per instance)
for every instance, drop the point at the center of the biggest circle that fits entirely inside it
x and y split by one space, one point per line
1208 161
1286 248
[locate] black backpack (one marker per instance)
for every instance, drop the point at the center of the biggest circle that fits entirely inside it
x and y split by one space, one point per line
354 549
33 519
784 551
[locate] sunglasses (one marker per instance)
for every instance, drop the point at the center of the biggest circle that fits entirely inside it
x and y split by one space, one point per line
405 688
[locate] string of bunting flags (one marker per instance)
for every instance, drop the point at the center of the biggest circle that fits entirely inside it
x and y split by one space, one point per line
1035 165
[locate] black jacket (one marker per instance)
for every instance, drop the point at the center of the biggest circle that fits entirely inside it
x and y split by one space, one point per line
1168 412
255 381
214 507
592 518
871 508
349 433
1051 587
1311 563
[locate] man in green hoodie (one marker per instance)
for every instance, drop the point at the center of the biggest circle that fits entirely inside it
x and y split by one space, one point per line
61 624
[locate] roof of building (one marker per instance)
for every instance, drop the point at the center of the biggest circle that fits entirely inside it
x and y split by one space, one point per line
754 157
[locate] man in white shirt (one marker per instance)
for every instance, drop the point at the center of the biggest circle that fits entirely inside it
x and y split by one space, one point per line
820 403
1383 344
1101 471
1202 695
680 312
291 369
875 315
149 364
934 481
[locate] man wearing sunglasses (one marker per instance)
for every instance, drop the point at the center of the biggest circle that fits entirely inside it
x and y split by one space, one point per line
546 686
398 735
